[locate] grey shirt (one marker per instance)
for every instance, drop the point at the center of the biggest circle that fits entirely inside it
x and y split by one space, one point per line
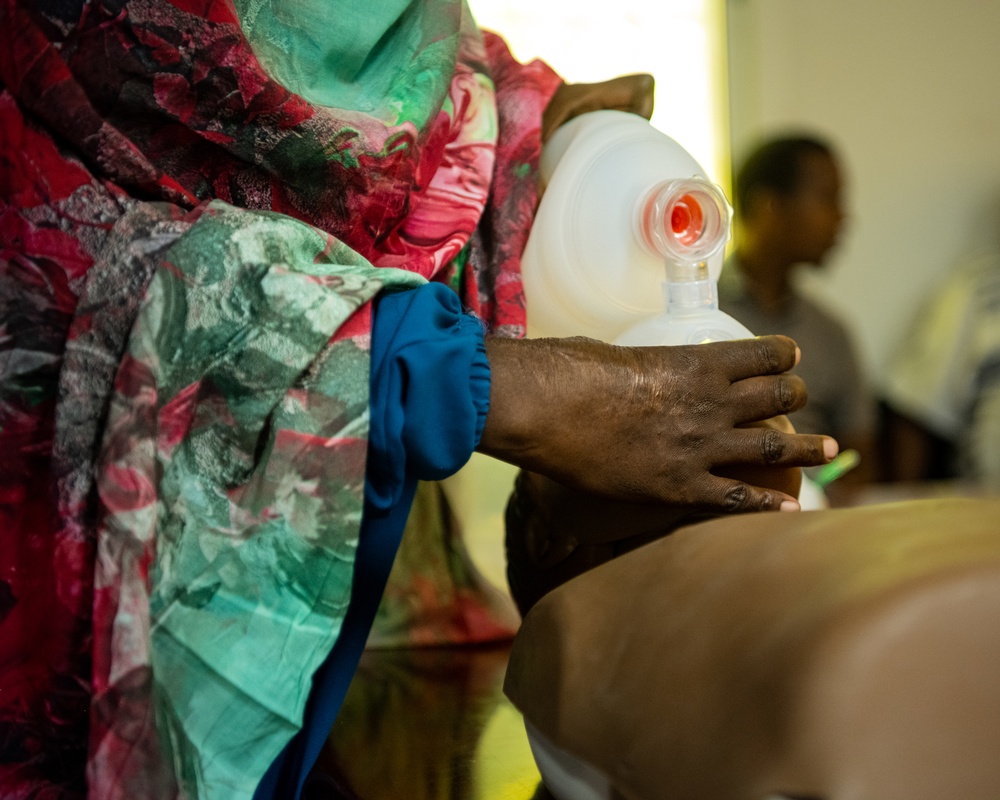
840 402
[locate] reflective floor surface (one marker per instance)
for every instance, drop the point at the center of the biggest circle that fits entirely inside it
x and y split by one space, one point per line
427 724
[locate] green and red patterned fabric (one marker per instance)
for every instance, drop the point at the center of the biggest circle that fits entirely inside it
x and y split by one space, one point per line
188 251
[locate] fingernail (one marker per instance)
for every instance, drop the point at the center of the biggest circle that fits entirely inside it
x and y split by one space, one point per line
789 505
830 447
798 356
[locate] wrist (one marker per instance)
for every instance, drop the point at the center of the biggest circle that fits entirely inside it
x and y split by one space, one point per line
515 387
541 392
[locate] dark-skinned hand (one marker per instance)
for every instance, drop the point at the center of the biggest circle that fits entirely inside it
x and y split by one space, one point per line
651 424
554 533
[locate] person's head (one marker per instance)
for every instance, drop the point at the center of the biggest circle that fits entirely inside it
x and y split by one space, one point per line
788 197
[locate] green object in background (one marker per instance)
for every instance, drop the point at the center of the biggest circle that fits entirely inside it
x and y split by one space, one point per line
842 464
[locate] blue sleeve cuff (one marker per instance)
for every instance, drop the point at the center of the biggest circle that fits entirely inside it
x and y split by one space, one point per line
430 390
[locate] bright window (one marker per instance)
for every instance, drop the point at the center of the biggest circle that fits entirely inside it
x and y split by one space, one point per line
680 42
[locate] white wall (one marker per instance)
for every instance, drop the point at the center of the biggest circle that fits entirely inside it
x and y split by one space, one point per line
909 92
680 42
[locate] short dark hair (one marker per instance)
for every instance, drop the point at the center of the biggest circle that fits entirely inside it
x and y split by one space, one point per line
776 164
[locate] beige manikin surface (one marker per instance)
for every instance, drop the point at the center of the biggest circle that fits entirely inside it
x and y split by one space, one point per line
840 655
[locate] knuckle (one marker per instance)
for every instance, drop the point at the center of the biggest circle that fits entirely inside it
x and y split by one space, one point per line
772 447
768 355
737 498
786 395
798 391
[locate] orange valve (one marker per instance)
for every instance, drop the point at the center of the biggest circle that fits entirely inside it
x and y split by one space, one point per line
687 219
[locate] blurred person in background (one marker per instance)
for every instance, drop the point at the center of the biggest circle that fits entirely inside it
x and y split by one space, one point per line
941 390
789 204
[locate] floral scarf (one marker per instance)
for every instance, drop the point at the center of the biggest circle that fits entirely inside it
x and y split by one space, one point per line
188 248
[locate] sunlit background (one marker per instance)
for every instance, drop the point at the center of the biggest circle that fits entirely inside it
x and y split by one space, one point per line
680 42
